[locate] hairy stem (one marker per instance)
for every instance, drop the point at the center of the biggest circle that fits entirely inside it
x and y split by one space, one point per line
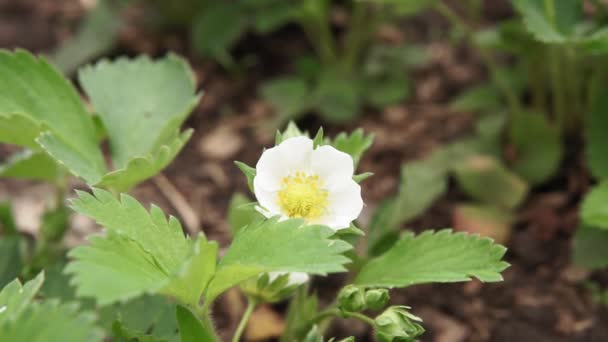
251 304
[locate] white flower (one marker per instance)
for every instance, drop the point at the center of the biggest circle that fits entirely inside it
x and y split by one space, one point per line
295 180
295 278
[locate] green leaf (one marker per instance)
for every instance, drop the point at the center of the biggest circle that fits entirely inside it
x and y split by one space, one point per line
147 252
15 298
147 318
594 210
216 29
286 246
590 247
40 99
550 21
441 256
7 220
338 97
362 176
422 183
290 96
241 212
248 171
485 179
478 98
596 139
409 7
96 34
28 164
141 168
141 102
356 143
191 329
11 259
538 147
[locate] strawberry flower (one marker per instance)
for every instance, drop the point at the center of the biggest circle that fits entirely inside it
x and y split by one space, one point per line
296 180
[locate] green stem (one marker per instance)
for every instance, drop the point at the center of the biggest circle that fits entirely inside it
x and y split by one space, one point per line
558 88
251 304
359 30
337 313
317 27
488 58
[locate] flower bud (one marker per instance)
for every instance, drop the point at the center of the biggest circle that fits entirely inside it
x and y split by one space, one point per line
274 286
397 324
376 299
352 299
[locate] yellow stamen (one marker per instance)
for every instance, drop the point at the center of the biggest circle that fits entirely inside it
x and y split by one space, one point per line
303 196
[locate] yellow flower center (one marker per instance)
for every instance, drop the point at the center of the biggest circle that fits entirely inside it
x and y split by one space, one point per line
303 196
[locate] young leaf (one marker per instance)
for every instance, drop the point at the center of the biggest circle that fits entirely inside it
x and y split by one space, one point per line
594 210
40 99
143 167
355 143
191 329
142 103
435 257
485 179
596 139
290 97
28 164
241 212
538 147
216 29
286 246
590 247
147 252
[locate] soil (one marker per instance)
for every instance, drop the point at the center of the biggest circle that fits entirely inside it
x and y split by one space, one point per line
543 297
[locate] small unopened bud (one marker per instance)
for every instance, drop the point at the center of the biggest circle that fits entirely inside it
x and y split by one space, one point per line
376 299
397 324
274 286
352 299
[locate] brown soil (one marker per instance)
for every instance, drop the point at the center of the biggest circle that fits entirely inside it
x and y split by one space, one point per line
542 297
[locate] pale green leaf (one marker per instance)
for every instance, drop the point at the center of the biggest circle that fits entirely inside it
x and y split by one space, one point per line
422 183
589 248
66 155
38 97
594 210
141 102
140 168
97 33
537 145
356 143
287 246
241 212
487 180
19 129
28 164
290 96
144 250
52 321
15 298
441 256
248 171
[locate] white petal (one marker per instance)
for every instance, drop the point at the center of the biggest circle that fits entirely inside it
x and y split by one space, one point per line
292 155
333 166
345 205
295 278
